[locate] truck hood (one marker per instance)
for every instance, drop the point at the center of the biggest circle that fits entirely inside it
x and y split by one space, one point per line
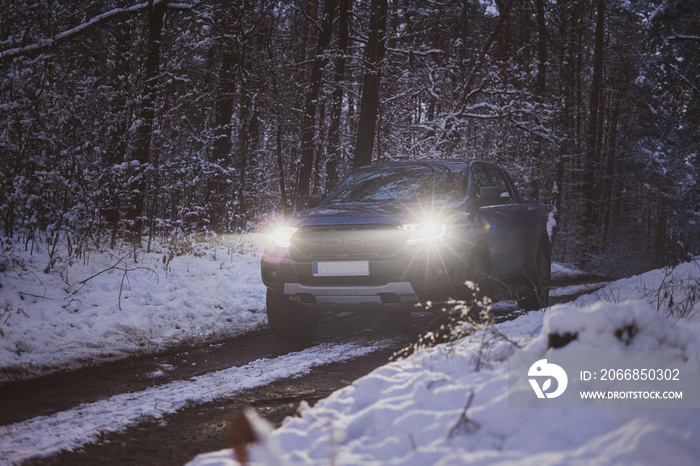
363 213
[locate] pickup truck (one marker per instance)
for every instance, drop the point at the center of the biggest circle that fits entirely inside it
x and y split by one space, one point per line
395 234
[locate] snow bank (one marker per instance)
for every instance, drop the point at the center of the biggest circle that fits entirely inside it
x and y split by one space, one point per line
108 306
449 404
627 326
673 291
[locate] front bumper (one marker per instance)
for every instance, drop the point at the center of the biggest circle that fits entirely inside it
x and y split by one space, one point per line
396 294
419 273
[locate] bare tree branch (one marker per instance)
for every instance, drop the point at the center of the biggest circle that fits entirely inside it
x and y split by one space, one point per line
685 79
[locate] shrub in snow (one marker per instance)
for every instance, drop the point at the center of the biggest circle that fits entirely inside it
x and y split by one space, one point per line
453 320
672 291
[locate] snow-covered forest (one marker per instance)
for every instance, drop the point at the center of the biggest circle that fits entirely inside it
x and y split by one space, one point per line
122 120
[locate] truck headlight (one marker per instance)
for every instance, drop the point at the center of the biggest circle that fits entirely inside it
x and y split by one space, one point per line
282 235
426 232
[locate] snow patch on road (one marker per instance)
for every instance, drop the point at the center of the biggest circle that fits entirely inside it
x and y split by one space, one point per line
69 430
560 292
560 271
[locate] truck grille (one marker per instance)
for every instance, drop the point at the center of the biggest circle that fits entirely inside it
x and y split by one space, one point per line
343 242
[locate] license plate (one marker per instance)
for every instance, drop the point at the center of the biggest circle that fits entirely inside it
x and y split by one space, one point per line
341 269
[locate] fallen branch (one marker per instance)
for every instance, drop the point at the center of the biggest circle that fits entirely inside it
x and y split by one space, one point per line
463 419
125 269
83 282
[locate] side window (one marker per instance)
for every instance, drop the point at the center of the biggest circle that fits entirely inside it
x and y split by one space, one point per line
479 180
498 179
490 186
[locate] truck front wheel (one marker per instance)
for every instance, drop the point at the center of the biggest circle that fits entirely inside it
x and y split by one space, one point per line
289 320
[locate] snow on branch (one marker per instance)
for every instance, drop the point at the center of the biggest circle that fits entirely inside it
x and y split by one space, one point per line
677 36
418 53
656 13
46 43
99 19
182 6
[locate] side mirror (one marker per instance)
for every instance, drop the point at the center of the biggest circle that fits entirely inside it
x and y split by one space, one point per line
315 199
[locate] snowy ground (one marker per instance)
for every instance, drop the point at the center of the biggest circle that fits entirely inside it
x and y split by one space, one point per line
408 412
418 410
106 306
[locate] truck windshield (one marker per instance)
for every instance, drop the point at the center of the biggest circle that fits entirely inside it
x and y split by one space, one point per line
411 182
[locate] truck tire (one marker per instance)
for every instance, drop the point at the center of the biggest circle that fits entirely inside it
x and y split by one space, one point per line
537 294
289 320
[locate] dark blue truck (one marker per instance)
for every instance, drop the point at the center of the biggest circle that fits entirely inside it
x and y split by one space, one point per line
395 234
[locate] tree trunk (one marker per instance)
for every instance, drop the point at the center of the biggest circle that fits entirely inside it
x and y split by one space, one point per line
308 122
337 97
592 146
280 167
369 107
144 132
541 49
610 163
224 109
119 130
5 26
243 139
218 195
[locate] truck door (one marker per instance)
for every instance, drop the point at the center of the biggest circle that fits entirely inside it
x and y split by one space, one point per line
501 219
514 214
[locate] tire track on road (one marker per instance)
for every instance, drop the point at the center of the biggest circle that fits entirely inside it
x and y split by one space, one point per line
68 430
